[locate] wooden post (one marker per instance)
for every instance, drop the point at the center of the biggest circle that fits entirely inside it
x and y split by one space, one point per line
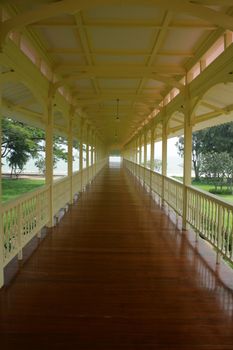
145 156
140 148
70 156
81 154
164 158
135 150
92 154
1 212
152 154
87 153
187 169
95 154
145 148
152 148
49 158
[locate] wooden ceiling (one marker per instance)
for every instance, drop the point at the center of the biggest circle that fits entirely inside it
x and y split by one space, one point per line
134 51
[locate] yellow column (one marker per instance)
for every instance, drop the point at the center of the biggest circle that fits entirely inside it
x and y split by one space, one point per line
81 154
134 150
164 157
164 149
187 170
70 156
95 154
92 153
152 148
49 158
145 148
1 223
87 153
140 148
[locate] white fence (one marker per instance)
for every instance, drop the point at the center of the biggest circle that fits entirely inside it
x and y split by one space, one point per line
208 215
23 218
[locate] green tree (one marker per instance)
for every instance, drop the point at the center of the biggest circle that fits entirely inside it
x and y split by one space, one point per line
21 142
216 139
198 147
217 168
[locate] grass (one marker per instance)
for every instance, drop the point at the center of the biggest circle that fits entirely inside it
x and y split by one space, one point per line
206 187
13 188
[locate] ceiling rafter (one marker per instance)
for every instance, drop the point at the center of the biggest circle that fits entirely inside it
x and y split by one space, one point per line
85 46
123 73
70 6
124 24
211 106
73 51
205 116
96 100
109 71
159 40
74 68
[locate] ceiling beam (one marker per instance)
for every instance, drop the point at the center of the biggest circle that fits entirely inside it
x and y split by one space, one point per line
157 44
206 116
118 94
73 6
85 45
124 24
118 69
71 51
96 100
119 72
211 106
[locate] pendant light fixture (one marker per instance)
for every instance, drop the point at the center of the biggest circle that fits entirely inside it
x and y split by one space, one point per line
117 113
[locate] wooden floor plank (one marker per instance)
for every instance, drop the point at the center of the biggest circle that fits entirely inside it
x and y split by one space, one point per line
116 273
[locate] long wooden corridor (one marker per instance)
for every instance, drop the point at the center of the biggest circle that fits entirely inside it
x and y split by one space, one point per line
116 273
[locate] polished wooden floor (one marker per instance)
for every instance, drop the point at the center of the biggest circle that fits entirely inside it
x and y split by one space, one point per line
116 273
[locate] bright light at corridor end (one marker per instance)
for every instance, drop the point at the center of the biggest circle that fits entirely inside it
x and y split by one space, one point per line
115 159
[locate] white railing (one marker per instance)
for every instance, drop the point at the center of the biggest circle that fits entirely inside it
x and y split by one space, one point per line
212 218
61 194
76 182
173 194
23 218
207 214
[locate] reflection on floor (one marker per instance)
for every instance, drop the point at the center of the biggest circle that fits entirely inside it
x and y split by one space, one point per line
116 273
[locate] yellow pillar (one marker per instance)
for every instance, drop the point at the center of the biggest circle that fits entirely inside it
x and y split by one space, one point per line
49 158
140 148
91 146
134 150
152 148
145 148
70 156
1 223
92 154
164 149
95 154
164 157
87 153
81 154
187 169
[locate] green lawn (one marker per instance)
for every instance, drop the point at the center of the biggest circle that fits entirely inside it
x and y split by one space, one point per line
205 187
12 188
